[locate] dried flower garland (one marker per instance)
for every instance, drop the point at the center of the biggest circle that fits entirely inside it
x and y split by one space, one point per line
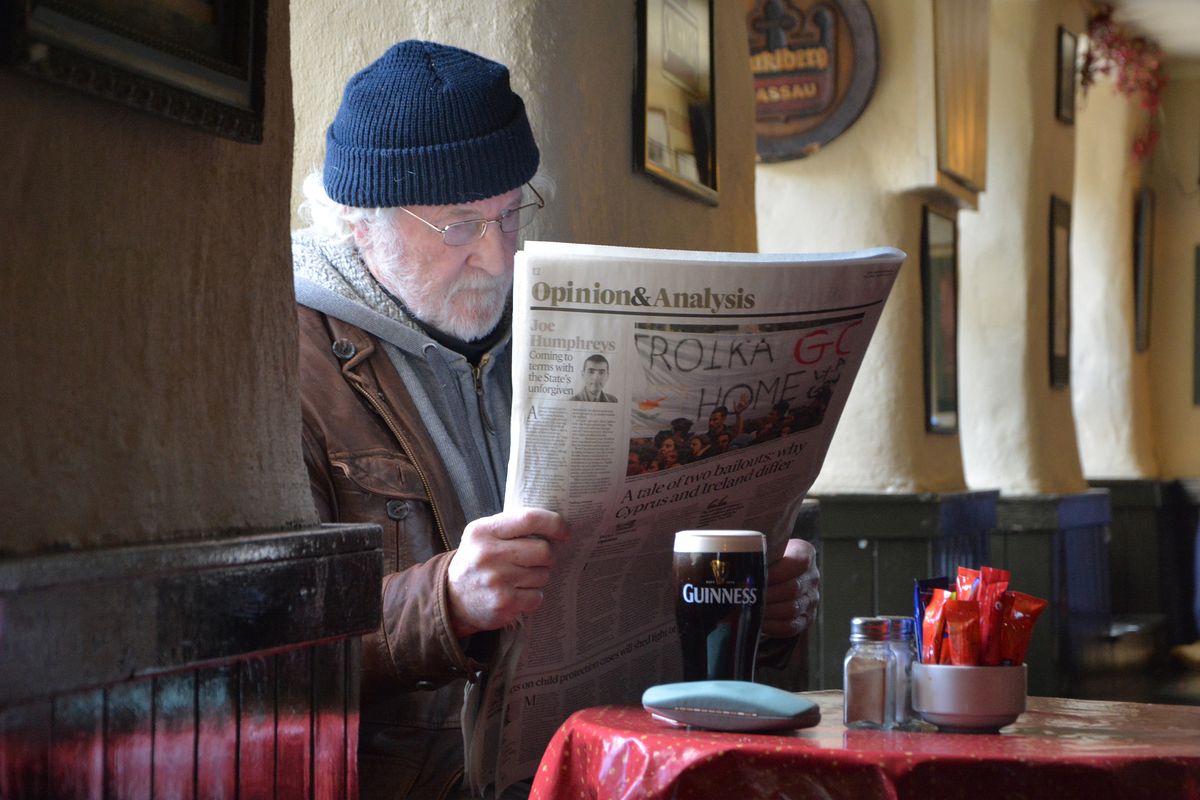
1138 66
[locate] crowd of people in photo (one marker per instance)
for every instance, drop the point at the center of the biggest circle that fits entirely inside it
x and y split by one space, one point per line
727 430
731 429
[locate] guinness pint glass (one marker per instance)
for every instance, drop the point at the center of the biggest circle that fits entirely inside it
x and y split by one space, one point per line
720 593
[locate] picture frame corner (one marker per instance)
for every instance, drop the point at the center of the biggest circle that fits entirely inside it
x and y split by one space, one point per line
682 152
939 263
1066 75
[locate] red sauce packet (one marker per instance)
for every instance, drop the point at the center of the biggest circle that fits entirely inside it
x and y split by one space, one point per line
944 654
962 626
994 575
922 593
967 583
992 584
1018 612
931 627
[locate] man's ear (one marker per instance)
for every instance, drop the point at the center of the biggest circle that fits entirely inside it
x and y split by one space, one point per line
361 234
362 240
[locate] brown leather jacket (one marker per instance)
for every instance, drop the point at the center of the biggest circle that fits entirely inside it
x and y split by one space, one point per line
370 460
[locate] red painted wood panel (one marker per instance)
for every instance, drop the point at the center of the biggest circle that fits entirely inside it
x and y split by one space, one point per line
329 721
77 746
293 726
353 683
216 733
256 728
25 750
175 736
129 740
283 726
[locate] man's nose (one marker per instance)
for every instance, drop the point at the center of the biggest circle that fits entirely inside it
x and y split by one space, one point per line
493 253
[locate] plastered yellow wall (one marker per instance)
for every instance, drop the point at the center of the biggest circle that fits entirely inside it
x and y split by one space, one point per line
1110 386
1018 433
574 65
861 190
1175 178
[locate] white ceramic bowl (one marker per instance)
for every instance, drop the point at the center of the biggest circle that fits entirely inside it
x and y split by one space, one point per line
968 699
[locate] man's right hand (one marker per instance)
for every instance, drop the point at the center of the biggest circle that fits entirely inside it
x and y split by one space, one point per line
500 568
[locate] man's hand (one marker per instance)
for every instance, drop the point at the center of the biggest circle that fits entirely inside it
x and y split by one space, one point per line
793 591
500 568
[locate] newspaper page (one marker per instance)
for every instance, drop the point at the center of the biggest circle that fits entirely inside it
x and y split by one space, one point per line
656 391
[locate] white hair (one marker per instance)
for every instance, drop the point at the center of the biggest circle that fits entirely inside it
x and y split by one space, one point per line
334 222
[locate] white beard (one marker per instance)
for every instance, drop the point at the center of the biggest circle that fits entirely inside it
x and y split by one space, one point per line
469 309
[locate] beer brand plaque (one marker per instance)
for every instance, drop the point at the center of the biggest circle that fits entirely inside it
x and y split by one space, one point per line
814 64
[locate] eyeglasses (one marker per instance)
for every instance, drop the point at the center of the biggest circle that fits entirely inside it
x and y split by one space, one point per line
472 230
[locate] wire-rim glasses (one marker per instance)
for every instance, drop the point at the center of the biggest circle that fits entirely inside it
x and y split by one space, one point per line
472 230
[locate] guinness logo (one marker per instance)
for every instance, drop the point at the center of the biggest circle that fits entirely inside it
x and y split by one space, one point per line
718 570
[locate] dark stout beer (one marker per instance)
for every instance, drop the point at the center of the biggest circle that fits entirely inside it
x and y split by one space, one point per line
720 593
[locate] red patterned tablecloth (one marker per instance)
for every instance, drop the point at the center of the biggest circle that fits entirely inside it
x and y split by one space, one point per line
1057 749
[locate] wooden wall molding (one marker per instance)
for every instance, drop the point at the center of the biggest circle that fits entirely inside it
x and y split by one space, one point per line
86 619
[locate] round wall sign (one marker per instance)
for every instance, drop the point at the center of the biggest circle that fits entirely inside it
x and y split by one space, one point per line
814 65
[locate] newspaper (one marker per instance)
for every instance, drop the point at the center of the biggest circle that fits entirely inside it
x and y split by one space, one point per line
615 351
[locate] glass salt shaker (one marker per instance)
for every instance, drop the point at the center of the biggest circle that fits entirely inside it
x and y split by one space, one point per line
903 642
868 675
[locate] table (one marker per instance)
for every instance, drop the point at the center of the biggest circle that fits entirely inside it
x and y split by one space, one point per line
1058 748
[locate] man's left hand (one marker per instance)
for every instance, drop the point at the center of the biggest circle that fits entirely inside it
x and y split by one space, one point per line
793 591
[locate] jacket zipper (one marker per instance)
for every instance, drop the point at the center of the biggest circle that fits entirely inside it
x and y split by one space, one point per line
477 374
395 429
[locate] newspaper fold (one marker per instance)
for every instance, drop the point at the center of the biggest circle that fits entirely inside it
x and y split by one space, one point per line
656 390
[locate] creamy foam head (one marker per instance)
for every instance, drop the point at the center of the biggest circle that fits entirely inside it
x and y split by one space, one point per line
720 541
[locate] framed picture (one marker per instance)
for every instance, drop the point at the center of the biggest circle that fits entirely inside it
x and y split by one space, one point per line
960 86
1064 88
674 113
1143 267
199 62
814 65
1196 331
939 291
1060 292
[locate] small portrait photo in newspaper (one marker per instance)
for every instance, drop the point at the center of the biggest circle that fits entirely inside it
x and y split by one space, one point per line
595 375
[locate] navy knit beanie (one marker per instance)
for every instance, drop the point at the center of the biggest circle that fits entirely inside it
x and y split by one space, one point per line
428 124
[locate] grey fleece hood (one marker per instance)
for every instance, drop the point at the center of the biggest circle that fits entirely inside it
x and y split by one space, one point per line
332 278
466 413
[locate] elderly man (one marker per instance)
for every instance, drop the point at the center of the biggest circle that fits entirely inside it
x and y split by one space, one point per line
403 286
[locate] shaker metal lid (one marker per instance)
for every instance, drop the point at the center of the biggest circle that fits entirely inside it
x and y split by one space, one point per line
902 628
870 629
